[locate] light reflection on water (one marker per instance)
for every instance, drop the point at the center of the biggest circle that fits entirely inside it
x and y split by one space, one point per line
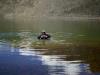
25 60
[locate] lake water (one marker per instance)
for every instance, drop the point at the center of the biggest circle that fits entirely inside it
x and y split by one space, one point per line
73 49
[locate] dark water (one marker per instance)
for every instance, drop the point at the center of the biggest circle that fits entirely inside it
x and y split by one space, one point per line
22 54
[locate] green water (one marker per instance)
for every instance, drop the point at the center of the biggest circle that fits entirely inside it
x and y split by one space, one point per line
73 43
90 27
60 29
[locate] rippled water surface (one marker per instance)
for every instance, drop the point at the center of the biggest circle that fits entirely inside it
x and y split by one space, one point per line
22 54
74 48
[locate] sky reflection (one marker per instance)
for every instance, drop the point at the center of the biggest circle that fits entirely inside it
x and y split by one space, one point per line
26 61
56 65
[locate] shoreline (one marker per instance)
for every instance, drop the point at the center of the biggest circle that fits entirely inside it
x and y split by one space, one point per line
67 18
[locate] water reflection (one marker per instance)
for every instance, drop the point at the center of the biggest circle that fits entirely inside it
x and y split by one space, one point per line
57 66
24 59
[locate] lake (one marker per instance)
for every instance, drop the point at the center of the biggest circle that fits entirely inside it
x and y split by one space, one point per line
73 49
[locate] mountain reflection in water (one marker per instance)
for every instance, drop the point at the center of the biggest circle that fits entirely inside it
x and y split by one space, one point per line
24 56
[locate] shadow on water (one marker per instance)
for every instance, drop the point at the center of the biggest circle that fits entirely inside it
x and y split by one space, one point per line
23 54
